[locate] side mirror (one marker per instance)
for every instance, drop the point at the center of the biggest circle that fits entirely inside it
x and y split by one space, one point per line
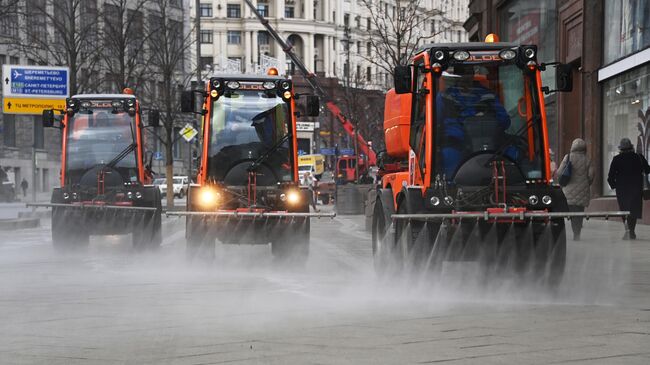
188 101
564 77
313 106
48 118
153 119
402 78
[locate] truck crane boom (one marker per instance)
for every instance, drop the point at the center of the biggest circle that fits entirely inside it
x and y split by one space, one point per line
313 82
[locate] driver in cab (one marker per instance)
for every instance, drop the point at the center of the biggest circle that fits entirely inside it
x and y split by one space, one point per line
471 118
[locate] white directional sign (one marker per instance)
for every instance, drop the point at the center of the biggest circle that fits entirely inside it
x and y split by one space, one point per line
188 132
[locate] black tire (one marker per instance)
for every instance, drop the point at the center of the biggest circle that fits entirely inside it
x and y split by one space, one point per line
550 255
383 243
181 194
292 245
200 244
66 238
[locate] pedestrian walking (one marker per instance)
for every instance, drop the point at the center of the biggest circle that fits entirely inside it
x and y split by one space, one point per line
24 185
626 174
310 182
578 190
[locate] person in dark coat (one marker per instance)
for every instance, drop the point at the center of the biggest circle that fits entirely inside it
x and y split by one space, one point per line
626 174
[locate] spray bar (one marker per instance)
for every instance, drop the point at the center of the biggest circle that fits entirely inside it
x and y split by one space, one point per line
92 206
251 214
513 216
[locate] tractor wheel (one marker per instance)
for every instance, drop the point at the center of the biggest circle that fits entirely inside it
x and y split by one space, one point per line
200 244
383 243
292 245
147 235
550 254
65 237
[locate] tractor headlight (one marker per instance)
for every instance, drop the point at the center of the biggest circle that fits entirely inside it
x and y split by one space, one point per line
129 195
461 55
293 197
216 83
435 201
449 200
234 85
439 55
66 196
533 200
138 195
285 85
74 196
529 53
507 54
269 85
547 200
208 196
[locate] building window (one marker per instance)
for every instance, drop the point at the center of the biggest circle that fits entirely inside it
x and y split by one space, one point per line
628 28
39 137
368 73
234 37
206 37
358 75
233 11
368 49
289 12
205 10
263 38
263 9
368 24
206 61
626 113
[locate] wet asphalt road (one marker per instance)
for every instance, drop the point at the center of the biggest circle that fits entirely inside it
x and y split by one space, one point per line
108 305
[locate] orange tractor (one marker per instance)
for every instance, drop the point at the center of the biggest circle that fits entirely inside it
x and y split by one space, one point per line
247 189
105 181
468 123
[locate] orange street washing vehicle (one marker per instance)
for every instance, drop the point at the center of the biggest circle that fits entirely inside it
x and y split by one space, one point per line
247 187
105 181
468 124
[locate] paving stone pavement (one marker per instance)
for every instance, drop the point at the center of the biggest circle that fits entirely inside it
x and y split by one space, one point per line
108 305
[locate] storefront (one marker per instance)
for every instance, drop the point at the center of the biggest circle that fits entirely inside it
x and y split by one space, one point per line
625 79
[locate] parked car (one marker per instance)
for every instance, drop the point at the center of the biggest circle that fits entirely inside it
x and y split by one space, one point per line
181 184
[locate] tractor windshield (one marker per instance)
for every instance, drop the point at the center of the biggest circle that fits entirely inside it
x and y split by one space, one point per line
246 125
96 136
486 113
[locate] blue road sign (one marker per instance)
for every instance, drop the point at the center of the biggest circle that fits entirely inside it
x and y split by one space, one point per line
35 81
327 151
346 151
157 156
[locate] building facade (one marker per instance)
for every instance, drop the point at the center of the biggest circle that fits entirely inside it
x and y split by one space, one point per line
332 38
29 151
608 44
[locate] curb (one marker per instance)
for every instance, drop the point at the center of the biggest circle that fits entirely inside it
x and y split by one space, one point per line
20 223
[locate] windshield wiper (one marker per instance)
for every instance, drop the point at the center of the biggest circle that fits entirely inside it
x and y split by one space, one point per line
120 156
268 153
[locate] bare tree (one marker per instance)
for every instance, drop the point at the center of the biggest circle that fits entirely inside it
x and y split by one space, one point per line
168 47
397 31
71 40
124 36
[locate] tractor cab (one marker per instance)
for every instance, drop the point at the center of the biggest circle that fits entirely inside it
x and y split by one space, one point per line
474 125
105 181
102 146
249 142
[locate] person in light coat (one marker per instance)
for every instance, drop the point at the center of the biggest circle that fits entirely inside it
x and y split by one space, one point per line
578 190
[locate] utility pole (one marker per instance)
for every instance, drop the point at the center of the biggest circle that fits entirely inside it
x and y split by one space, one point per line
349 94
199 83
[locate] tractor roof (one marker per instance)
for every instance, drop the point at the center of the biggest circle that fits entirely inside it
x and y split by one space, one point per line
103 96
246 77
470 46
